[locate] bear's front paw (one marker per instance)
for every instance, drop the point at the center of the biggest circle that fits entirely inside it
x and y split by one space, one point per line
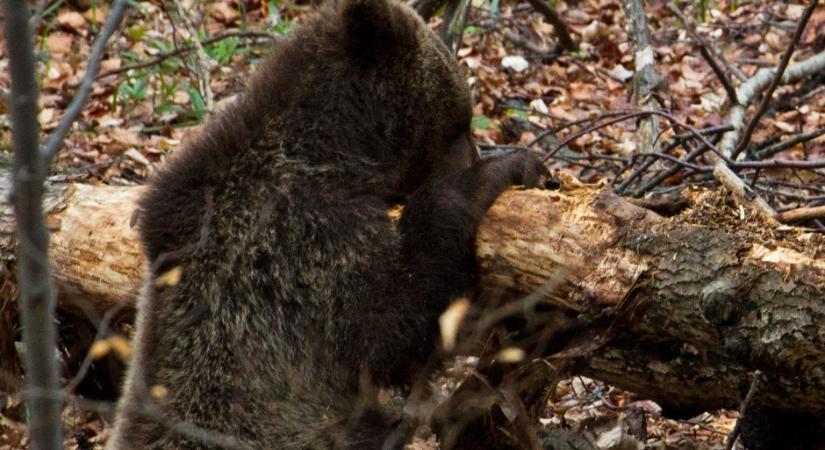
527 169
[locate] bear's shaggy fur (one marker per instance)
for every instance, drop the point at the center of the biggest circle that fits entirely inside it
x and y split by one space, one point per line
295 287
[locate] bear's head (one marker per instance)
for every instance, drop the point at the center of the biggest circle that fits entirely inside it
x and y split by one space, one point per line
365 83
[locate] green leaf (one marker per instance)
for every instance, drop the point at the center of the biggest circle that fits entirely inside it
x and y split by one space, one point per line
135 33
129 55
471 30
519 113
196 100
160 45
168 107
223 51
282 27
481 122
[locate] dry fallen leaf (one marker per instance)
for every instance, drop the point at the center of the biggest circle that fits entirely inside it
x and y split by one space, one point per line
224 12
136 156
72 20
170 278
511 355
120 346
129 137
115 343
59 43
158 391
450 321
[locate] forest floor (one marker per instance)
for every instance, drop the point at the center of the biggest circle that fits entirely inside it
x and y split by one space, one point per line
147 100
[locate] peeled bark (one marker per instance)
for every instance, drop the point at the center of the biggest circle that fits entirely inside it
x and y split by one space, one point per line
677 309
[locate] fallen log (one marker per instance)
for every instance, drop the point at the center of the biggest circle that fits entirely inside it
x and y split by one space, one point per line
677 309
694 307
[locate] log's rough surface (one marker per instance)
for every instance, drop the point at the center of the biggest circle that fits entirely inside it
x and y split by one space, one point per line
95 251
694 308
678 309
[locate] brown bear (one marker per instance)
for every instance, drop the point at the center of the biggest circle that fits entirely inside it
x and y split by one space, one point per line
278 283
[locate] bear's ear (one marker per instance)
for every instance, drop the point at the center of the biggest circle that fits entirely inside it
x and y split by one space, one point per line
376 30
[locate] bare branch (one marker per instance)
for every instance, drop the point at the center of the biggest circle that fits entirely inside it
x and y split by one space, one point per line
705 50
426 8
102 330
149 409
777 78
200 62
801 214
635 114
558 23
743 409
520 41
767 152
751 88
453 26
677 140
55 140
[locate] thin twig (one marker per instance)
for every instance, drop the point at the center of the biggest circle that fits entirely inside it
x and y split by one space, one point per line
743 409
779 164
526 44
201 63
148 409
675 160
559 25
674 142
426 8
102 330
592 118
37 15
717 55
453 27
704 49
592 128
656 180
748 90
777 78
632 115
55 140
767 152
740 165
181 50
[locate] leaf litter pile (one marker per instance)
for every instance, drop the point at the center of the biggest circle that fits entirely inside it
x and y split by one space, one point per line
529 96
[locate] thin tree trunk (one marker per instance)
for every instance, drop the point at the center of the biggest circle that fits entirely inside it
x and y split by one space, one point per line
36 301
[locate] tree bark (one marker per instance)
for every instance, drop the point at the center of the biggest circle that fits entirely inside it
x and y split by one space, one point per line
677 309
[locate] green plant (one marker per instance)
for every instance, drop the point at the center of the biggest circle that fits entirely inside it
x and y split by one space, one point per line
131 91
162 98
481 122
702 9
196 102
223 50
278 24
518 113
